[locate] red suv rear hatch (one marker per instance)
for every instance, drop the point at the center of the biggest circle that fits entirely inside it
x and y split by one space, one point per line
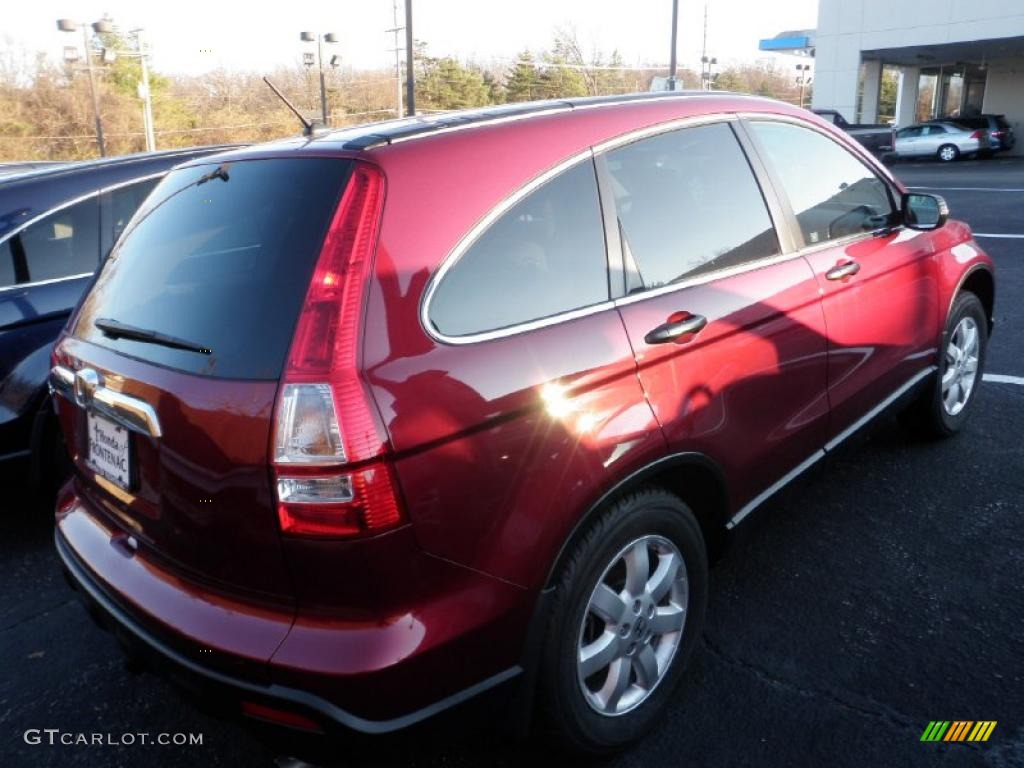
192 317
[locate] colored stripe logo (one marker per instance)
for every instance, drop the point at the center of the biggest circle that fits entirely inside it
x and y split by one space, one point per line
958 730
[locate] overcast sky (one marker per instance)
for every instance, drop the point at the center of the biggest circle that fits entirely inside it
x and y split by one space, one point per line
245 36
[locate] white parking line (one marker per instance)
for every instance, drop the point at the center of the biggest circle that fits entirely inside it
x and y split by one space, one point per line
999 378
993 234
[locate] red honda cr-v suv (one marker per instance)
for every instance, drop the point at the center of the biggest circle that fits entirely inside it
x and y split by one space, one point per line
368 423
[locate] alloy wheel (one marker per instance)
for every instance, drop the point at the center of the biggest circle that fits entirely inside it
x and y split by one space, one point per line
961 373
633 625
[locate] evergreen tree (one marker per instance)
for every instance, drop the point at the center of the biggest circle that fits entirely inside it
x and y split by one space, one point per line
523 81
447 84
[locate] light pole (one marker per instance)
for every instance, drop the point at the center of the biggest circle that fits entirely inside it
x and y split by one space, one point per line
672 52
706 63
67 25
801 79
330 37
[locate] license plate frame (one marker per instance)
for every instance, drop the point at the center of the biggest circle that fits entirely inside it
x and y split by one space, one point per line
109 450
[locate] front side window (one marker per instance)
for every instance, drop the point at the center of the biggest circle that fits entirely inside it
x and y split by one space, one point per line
63 244
688 203
542 257
833 194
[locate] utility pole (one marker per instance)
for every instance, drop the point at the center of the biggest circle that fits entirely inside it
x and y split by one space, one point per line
672 53
147 99
398 56
410 74
92 89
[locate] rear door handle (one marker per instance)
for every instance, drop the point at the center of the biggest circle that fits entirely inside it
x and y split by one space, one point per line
841 271
672 330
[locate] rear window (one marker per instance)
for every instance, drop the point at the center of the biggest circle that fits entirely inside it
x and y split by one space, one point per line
220 256
972 122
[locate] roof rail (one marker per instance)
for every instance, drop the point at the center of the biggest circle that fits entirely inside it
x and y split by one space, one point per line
389 132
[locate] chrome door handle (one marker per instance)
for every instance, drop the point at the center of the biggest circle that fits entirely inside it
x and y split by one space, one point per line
673 330
841 271
85 388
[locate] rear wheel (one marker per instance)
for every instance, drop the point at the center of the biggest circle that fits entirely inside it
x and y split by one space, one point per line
948 153
628 610
943 409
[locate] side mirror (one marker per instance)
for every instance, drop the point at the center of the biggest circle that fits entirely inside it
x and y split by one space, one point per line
924 212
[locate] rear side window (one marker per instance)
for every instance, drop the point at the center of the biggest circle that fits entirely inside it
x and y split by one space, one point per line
688 203
220 256
833 194
63 244
542 257
121 204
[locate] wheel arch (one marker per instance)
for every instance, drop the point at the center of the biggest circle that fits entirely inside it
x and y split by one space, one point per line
694 477
980 281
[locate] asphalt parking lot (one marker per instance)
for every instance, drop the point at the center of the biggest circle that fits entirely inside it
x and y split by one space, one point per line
885 591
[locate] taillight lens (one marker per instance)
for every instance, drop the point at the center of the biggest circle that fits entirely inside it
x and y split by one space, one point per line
331 479
977 134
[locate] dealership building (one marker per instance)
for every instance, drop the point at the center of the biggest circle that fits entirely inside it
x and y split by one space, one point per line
938 58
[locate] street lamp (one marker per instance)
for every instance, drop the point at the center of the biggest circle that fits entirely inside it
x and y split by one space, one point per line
801 79
706 63
67 25
109 56
309 37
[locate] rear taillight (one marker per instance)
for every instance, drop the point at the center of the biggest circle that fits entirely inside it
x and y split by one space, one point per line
329 444
977 134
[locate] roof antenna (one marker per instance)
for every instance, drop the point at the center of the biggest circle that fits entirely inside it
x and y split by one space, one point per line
308 126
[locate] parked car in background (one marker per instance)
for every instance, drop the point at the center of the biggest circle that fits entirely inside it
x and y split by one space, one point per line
876 137
56 224
386 427
1000 132
945 141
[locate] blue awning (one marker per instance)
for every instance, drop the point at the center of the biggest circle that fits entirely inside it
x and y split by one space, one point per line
802 43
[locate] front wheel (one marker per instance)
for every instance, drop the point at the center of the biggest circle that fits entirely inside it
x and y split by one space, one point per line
628 610
943 409
948 153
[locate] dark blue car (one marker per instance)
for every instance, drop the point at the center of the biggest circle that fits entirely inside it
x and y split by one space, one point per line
56 226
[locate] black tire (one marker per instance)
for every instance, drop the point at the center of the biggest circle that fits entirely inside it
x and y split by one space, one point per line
929 415
51 464
947 153
569 719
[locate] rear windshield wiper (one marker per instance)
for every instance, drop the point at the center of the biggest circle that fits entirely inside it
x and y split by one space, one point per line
118 330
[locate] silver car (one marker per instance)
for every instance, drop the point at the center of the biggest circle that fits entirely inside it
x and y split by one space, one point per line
947 141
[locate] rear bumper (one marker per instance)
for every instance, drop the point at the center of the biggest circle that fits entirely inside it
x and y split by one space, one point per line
388 696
